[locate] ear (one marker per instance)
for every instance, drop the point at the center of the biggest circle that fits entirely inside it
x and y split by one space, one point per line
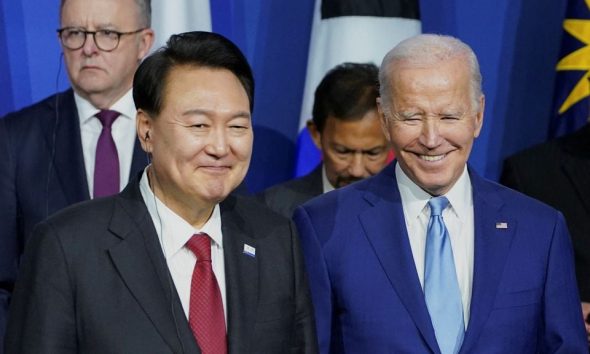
144 129
479 116
146 41
316 136
384 120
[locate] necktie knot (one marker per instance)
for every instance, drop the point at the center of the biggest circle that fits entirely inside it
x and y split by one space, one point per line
437 205
107 117
200 245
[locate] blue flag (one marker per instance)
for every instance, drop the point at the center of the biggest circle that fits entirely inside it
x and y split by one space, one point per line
571 103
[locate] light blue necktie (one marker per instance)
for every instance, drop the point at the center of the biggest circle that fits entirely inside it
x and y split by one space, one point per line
441 288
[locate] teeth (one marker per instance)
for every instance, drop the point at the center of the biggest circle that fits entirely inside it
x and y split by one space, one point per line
432 158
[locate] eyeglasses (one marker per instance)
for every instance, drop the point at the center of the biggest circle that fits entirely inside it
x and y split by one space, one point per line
106 40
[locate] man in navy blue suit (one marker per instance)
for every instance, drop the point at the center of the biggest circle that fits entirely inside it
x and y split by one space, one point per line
47 150
427 256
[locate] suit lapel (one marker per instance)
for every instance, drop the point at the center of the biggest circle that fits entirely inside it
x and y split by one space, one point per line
314 180
68 159
142 266
384 225
241 277
491 245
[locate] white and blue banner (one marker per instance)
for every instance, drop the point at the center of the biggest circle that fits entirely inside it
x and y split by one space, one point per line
359 31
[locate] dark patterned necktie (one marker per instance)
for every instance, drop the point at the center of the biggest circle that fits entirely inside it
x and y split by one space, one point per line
206 317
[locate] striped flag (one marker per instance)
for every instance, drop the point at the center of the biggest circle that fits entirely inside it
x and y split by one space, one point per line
349 31
177 16
572 86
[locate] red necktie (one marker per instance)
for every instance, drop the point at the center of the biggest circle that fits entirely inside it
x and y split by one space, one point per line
206 316
106 163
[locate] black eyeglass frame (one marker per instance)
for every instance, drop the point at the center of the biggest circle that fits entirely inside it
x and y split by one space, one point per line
93 33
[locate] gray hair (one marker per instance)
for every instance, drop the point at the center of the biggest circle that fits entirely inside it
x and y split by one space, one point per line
145 11
430 49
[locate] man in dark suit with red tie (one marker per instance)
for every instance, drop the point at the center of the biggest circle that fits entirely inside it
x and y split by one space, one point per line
80 143
174 263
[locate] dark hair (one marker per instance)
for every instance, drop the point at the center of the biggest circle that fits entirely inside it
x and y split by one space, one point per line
145 11
200 49
347 92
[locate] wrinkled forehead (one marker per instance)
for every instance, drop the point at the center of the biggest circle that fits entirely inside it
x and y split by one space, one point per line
100 12
447 82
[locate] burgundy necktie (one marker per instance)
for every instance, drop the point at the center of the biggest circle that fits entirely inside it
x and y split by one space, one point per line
206 316
106 165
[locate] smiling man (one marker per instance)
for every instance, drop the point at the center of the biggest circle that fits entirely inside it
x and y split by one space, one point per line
174 263
346 127
427 256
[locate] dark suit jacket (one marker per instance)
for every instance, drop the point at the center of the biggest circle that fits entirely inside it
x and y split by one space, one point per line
285 197
366 291
94 280
41 171
558 173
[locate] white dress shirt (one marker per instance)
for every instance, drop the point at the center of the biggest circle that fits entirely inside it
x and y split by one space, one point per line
123 131
173 234
326 185
458 218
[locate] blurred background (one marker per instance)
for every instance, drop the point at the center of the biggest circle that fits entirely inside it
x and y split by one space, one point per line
519 44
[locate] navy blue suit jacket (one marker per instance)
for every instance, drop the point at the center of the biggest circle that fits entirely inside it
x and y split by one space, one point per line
367 295
41 171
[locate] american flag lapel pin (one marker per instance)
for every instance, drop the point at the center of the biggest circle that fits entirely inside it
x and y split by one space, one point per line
501 225
249 250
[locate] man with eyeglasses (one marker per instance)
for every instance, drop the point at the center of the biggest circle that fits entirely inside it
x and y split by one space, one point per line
77 144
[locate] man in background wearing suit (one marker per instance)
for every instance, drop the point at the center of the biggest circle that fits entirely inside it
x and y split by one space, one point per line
57 152
347 129
558 173
174 263
427 256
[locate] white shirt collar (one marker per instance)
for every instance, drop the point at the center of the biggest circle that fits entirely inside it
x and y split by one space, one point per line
173 231
326 185
414 198
125 106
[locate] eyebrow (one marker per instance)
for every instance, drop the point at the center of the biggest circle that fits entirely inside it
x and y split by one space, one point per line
205 112
370 149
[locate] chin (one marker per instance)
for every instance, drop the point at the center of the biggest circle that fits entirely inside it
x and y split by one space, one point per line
435 187
216 194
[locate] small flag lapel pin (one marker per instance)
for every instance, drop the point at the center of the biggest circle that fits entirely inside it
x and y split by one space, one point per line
249 250
501 225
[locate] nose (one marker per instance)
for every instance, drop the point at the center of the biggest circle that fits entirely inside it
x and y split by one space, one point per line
357 167
430 134
217 144
89 46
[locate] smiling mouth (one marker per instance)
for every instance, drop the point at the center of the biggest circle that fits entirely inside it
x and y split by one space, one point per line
432 158
91 67
216 169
